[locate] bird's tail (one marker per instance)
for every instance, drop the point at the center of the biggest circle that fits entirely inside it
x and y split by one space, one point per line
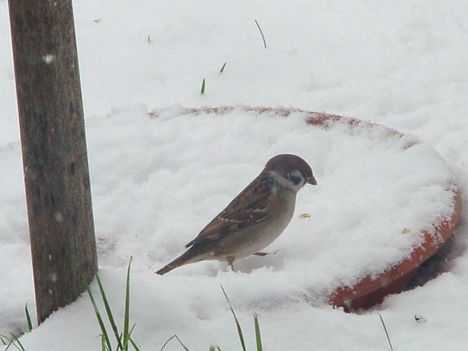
186 258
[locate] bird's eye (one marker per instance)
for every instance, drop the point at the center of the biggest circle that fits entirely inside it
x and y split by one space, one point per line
296 177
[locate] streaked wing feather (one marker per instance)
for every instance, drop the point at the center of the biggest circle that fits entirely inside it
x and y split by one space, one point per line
247 208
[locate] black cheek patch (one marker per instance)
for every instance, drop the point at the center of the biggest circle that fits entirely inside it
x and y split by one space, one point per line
295 179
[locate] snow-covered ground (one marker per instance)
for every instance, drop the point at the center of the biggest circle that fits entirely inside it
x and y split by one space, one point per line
157 181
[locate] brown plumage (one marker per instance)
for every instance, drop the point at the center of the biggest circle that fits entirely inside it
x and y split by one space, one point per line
254 218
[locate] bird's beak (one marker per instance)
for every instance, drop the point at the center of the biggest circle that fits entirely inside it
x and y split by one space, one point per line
311 180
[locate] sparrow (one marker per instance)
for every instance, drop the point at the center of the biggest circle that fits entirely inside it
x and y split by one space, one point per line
254 219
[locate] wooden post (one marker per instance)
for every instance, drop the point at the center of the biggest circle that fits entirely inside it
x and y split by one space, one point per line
54 151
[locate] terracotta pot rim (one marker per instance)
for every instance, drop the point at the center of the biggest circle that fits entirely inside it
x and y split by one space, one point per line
372 288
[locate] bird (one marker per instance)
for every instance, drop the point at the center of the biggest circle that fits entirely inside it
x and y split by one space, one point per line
254 218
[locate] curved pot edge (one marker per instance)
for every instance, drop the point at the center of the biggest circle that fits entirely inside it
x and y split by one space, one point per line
368 291
393 280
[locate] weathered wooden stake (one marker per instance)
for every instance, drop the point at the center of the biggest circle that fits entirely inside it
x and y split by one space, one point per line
54 151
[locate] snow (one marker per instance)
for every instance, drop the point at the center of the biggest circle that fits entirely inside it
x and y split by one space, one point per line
48 59
347 208
157 181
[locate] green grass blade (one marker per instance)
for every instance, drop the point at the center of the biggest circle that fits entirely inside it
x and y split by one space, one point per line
258 336
386 331
28 317
203 84
110 317
135 346
172 338
19 343
261 32
223 67
13 340
126 328
167 342
7 341
103 342
131 331
239 329
181 343
104 346
99 319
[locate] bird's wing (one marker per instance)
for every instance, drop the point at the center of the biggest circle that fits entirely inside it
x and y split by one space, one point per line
247 208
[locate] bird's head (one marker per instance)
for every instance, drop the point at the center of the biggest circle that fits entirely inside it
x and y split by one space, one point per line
292 170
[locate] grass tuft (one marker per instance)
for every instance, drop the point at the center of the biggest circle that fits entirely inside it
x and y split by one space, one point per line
386 331
110 316
105 341
239 329
122 339
261 32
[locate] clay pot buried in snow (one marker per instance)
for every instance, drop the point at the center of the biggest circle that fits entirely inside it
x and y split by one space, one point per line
368 290
372 290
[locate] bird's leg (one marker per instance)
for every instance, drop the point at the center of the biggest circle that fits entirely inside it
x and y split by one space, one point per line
230 261
266 253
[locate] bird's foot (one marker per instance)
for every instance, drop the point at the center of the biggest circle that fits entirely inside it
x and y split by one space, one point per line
230 261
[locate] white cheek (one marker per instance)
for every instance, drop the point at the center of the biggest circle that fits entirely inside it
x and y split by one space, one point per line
274 189
299 186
